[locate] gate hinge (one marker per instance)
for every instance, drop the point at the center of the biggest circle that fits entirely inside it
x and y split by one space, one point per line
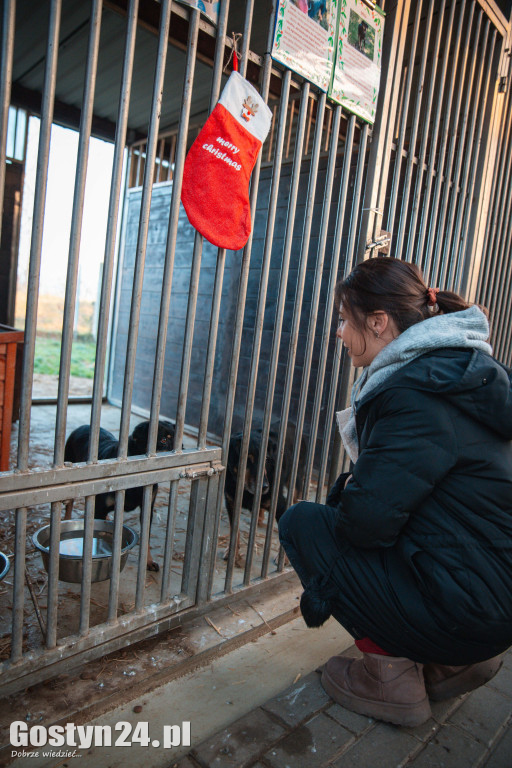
502 84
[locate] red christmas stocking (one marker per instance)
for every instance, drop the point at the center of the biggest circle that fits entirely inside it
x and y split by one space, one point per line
218 166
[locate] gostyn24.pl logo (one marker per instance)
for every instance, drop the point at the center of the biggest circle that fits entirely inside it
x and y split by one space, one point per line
122 734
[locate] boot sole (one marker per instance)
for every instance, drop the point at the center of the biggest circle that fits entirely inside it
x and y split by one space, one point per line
409 715
464 681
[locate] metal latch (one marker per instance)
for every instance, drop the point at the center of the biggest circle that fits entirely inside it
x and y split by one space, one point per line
382 242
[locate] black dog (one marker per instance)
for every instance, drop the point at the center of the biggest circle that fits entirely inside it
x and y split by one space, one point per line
284 497
77 450
361 36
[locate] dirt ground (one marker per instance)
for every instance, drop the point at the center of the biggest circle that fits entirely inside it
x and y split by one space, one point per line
41 454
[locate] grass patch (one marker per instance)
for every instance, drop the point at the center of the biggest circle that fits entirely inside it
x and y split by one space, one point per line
47 357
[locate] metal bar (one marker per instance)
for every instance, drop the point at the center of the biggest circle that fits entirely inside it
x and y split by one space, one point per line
115 579
468 185
53 576
240 309
340 218
433 142
383 130
31 320
501 304
8 24
76 230
267 252
85 593
428 264
403 111
424 138
292 352
502 309
172 158
328 128
48 98
499 254
442 244
110 240
347 372
246 37
145 522
209 542
487 273
172 232
172 508
402 220
309 121
271 137
109 468
212 343
464 153
31 497
18 589
140 255
341 386
315 300
159 166
290 126
194 537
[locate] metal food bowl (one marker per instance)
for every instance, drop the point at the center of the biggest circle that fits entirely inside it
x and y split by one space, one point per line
71 549
4 565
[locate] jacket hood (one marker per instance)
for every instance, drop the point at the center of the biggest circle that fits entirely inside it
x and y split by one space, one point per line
471 380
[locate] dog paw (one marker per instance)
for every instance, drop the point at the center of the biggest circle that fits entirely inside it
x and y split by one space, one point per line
152 566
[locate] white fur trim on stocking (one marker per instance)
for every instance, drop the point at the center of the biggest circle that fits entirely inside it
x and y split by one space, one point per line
245 104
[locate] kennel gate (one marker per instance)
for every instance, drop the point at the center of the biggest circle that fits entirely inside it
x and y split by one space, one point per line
343 181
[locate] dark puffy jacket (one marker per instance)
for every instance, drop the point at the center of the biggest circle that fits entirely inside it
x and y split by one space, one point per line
431 497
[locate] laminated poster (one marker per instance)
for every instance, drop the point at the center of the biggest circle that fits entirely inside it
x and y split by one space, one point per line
210 9
356 77
304 38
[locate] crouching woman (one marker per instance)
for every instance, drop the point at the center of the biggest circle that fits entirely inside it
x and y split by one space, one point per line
412 552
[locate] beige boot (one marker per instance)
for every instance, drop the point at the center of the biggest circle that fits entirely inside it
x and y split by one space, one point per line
385 687
444 682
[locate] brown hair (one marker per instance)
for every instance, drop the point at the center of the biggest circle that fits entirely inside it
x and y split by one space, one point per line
393 286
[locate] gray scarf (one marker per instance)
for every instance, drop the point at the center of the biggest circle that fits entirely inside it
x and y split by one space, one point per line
466 329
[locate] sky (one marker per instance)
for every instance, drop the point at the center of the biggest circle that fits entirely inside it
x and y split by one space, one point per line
59 207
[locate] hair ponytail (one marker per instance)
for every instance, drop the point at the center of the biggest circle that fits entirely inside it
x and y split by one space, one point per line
396 287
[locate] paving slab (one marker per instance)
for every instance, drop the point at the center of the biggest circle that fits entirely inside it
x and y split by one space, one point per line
310 745
451 748
239 745
471 731
501 757
302 700
383 746
482 714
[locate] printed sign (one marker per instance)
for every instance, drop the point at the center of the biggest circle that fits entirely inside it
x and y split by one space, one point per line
356 77
210 9
304 38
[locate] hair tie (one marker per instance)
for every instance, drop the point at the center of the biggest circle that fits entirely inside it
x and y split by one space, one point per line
432 300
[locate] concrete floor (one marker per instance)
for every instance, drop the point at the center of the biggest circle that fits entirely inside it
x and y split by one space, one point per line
211 697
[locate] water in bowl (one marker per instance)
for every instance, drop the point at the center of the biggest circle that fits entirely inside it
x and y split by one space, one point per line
72 544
